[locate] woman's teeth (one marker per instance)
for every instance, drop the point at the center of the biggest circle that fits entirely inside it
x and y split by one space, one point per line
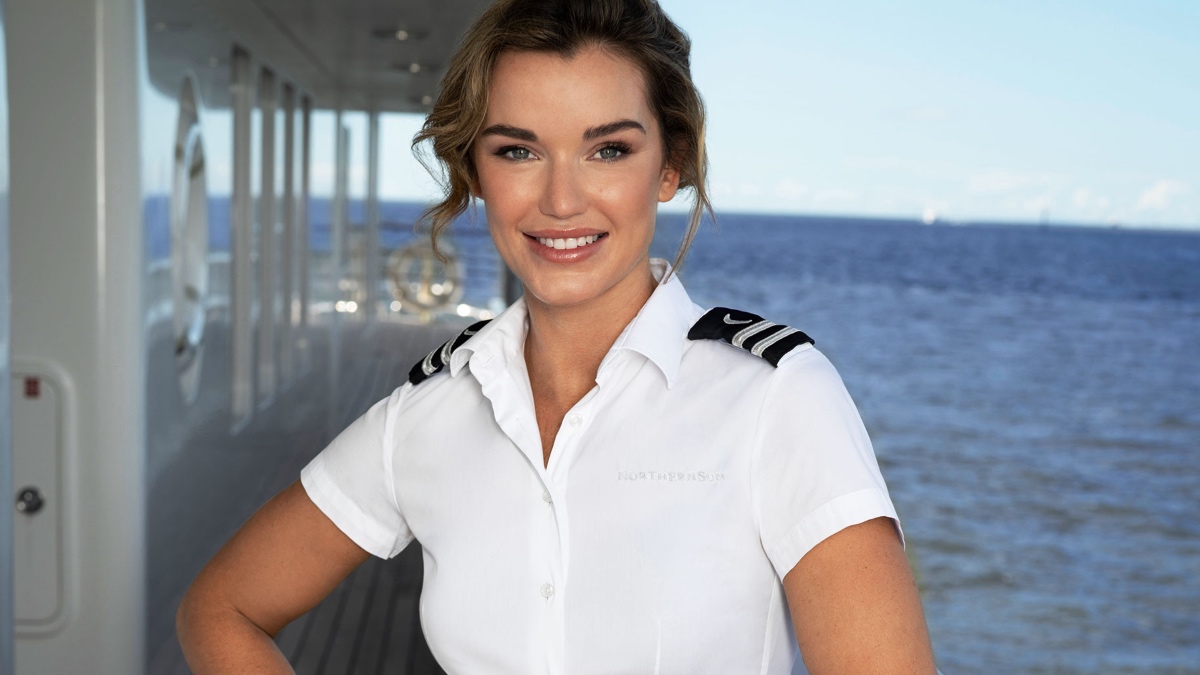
573 242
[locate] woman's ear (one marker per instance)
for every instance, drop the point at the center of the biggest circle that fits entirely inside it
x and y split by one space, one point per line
472 175
473 185
669 185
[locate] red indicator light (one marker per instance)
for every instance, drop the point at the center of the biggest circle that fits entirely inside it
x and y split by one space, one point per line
33 387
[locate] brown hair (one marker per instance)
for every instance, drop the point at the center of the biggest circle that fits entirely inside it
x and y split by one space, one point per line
638 30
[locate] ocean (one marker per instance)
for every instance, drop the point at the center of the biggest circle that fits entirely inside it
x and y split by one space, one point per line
1033 394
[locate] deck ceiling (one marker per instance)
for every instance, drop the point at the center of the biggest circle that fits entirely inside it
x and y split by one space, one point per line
343 52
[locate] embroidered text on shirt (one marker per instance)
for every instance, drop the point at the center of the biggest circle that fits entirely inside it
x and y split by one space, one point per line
671 476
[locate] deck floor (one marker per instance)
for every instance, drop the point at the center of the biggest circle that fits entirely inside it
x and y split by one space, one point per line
369 624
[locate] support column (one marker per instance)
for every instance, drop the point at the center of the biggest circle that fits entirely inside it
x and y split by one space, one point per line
339 221
371 249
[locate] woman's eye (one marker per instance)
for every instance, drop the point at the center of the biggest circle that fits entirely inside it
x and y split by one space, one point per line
610 152
515 153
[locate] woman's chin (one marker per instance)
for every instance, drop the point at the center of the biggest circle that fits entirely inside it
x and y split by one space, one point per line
587 290
560 295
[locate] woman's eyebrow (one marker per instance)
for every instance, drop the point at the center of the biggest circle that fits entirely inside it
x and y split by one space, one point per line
612 128
510 131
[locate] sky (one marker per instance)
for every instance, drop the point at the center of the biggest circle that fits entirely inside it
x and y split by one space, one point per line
1036 111
1071 111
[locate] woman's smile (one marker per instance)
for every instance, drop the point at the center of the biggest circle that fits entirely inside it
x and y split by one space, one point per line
568 242
566 246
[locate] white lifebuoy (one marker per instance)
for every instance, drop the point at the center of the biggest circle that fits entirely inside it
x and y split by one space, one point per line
421 282
189 243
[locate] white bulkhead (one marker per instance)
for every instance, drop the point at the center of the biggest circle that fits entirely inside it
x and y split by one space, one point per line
76 246
7 508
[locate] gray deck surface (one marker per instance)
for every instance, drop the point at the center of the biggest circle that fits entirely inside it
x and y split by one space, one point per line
369 624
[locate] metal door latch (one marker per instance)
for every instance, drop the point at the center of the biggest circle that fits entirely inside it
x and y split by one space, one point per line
29 500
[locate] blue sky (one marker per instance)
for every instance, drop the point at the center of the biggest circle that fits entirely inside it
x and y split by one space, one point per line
1066 111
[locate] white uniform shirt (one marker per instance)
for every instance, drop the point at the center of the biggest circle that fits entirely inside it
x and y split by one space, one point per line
679 492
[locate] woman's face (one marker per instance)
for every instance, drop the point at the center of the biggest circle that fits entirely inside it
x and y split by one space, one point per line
570 168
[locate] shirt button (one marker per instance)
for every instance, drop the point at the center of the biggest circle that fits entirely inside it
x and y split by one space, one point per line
574 420
546 496
547 591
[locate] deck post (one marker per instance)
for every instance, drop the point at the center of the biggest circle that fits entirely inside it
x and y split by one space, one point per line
371 249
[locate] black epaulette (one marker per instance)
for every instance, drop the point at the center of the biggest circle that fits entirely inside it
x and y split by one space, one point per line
438 358
748 331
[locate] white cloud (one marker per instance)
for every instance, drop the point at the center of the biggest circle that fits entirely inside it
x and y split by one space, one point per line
1038 206
791 189
720 188
1086 200
749 190
1158 197
1014 183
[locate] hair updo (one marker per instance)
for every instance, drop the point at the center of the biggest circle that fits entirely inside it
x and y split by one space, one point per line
638 30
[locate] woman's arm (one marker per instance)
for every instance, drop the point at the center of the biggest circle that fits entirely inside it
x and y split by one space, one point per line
855 607
279 565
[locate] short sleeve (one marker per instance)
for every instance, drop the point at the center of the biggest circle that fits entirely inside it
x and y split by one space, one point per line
814 471
351 481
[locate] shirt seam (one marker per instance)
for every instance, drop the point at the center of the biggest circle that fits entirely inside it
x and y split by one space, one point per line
756 451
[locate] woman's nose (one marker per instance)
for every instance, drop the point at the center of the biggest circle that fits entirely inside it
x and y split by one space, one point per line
563 195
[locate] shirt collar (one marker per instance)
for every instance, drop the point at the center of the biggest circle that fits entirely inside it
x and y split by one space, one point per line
490 350
658 332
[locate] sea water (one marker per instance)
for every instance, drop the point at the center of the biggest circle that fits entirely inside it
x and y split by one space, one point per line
1033 394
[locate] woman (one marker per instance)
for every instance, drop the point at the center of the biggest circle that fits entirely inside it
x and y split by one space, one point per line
604 478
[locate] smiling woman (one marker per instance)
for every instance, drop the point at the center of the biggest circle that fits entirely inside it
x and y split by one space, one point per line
605 477
571 153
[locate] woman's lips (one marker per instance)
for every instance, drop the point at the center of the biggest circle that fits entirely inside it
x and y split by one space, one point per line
566 246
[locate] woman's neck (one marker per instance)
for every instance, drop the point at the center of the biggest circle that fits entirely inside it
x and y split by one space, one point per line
568 343
565 346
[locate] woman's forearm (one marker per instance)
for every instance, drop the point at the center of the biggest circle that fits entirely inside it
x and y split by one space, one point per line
278 566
